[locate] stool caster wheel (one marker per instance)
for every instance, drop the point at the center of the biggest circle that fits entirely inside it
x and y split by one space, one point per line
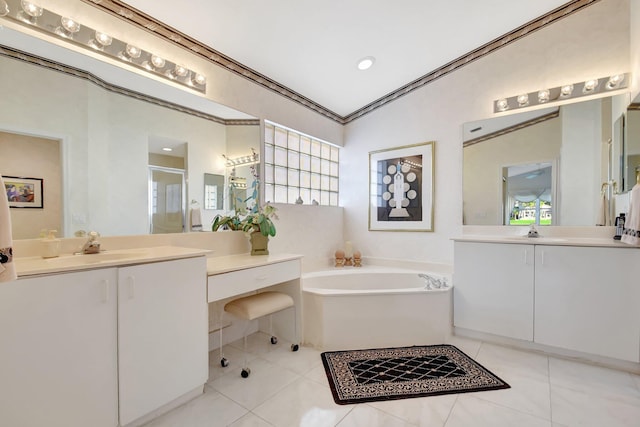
274 340
224 362
294 347
245 372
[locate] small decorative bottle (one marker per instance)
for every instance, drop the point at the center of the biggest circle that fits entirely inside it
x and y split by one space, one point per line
339 258
357 259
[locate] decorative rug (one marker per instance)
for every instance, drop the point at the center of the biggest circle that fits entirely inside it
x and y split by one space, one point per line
357 376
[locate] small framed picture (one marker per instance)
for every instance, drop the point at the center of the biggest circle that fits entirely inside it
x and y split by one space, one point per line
401 188
23 192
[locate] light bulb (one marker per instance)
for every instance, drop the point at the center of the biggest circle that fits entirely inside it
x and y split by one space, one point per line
199 79
523 100
615 81
180 71
157 61
502 104
70 25
366 63
566 91
133 51
31 9
590 85
543 96
4 8
103 38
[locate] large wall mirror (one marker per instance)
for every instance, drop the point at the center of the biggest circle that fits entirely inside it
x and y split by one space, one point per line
630 165
545 167
102 144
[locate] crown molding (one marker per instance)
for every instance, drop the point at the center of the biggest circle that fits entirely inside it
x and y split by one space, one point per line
19 55
162 30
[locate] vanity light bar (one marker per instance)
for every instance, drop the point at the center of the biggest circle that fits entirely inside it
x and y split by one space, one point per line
31 15
561 93
244 160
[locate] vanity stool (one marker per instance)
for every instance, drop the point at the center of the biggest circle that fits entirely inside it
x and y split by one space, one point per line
252 307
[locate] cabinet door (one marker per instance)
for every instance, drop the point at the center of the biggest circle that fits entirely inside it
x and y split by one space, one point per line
58 361
587 300
493 288
162 333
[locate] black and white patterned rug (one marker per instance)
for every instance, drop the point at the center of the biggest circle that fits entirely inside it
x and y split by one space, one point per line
357 376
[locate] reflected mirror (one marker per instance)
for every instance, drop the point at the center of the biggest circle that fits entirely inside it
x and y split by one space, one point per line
213 191
554 164
631 158
103 139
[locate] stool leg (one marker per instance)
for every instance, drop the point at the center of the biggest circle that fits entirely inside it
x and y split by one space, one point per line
294 346
245 370
223 362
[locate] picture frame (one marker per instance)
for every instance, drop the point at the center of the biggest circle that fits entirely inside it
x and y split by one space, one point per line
24 192
411 208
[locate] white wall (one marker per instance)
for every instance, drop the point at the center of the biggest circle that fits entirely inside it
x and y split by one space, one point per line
593 42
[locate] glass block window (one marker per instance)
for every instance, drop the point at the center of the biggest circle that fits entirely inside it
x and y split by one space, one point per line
298 165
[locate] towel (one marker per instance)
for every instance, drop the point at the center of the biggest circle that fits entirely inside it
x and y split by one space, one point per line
196 219
603 211
631 233
7 267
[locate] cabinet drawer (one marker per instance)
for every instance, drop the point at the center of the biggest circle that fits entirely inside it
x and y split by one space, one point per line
226 285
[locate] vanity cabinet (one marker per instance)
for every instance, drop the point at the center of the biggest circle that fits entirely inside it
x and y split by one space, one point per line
58 357
578 298
588 299
493 289
162 334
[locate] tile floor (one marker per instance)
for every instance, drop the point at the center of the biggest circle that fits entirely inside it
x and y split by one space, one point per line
291 389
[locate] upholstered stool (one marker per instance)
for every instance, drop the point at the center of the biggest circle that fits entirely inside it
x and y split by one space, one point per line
252 307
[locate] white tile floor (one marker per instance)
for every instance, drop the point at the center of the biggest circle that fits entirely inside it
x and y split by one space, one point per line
291 389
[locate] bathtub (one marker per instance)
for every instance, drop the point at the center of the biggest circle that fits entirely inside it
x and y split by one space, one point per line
372 307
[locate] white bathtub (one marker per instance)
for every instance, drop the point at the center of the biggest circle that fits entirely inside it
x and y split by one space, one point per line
371 307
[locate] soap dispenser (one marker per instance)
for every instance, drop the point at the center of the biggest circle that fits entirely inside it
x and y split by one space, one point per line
51 245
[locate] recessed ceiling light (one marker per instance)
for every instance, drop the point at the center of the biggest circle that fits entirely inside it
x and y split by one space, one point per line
366 62
167 149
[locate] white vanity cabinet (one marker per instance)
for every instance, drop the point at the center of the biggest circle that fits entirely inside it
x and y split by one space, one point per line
162 334
588 300
493 288
58 357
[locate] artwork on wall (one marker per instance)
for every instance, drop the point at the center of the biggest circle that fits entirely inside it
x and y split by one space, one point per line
401 188
23 192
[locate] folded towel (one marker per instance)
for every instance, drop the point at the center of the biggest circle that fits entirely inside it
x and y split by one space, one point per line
7 267
603 211
631 233
196 219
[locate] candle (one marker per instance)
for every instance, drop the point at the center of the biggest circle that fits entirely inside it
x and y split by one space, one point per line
348 250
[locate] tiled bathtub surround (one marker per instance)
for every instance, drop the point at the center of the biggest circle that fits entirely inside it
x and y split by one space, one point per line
291 389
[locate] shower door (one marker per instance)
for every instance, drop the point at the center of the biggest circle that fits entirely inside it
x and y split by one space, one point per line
167 200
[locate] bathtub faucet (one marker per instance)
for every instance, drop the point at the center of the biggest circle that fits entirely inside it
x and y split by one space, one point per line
433 282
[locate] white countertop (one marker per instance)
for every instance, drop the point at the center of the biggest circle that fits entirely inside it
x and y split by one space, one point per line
552 241
29 266
225 264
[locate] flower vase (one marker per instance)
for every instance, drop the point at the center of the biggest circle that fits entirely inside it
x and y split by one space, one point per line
259 243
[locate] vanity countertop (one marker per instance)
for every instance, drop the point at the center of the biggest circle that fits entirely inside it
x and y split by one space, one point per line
29 266
225 264
551 241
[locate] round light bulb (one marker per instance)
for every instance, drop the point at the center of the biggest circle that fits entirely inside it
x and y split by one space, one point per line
103 38
4 8
180 71
523 100
615 81
566 91
590 85
157 61
543 96
502 104
70 25
199 79
133 51
31 9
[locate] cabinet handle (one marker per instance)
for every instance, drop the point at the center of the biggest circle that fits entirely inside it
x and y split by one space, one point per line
105 291
541 257
130 290
526 253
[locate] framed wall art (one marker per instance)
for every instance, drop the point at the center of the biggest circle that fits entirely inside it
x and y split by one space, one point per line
401 188
23 192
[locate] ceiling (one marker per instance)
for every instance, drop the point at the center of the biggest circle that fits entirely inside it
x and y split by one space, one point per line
312 47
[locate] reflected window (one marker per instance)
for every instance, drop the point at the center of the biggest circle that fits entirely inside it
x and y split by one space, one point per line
299 168
527 194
